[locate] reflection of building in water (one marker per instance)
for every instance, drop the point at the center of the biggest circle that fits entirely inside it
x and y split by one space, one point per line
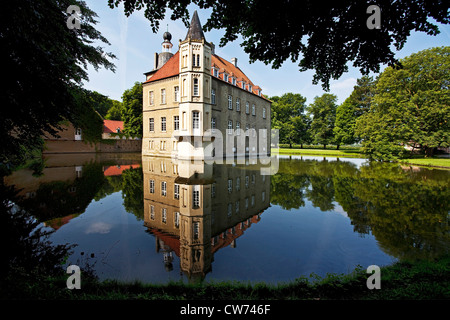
194 209
67 184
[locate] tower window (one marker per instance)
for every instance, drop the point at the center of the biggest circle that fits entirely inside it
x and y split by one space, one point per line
238 104
151 124
196 87
230 102
213 96
195 120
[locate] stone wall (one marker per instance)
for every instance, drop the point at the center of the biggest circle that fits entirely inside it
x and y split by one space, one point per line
72 146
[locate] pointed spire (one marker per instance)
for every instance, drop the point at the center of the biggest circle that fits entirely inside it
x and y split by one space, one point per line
195 29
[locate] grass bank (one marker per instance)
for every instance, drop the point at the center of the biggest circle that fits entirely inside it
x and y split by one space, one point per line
354 152
402 280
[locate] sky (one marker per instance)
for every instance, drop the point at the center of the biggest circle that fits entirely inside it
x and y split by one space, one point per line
134 44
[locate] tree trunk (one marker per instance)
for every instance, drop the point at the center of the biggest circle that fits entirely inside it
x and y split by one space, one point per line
301 146
337 147
324 146
429 152
290 145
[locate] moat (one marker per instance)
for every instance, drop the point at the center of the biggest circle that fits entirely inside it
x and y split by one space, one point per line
156 220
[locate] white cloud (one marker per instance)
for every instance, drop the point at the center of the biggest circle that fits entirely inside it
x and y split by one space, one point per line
99 227
346 84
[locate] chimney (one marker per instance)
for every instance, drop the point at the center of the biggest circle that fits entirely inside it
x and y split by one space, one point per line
234 61
155 62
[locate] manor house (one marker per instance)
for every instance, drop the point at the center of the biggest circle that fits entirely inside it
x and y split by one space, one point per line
198 105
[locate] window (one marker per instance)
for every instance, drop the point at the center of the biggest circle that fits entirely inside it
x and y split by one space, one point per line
196 197
176 191
250 87
184 88
152 212
196 229
238 104
163 124
230 185
151 124
177 219
230 102
253 110
198 60
246 203
238 183
247 127
237 206
225 77
196 87
264 112
253 179
263 196
162 146
243 84
163 96
233 81
230 209
238 128
163 188
152 186
230 127
176 91
195 120
193 60
213 124
216 72
246 181
164 215
176 122
151 98
213 96
253 200
247 108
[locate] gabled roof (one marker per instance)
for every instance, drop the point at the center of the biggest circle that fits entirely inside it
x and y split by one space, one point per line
110 126
171 69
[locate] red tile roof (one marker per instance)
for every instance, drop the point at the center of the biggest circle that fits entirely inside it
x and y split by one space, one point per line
110 126
118 170
171 69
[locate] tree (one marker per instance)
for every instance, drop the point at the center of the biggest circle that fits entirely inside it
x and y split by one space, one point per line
44 63
288 116
321 36
353 107
411 107
115 112
132 110
323 113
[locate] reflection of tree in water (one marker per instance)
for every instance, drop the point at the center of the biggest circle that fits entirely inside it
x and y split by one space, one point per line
406 210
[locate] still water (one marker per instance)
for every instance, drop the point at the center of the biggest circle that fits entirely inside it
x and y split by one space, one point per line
155 220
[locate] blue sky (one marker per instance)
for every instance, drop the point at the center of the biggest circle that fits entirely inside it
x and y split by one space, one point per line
134 44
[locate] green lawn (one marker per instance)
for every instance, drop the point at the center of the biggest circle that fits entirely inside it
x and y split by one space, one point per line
320 152
356 153
434 162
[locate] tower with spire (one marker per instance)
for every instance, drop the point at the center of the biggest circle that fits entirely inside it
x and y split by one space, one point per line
198 105
195 84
